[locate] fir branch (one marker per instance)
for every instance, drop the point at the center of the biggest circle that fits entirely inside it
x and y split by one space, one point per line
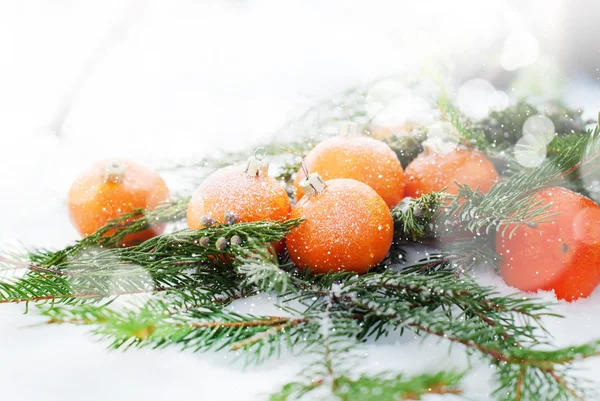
487 325
202 328
260 268
414 218
163 262
407 146
504 128
504 329
509 202
408 292
382 387
465 134
113 233
461 256
395 388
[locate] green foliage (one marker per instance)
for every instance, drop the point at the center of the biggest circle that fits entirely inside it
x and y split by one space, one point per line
199 327
260 268
113 233
162 263
510 203
504 128
407 146
466 135
382 387
414 219
186 281
385 388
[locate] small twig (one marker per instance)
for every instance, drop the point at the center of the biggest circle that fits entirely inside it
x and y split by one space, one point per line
268 333
270 321
51 270
438 389
519 385
562 382
83 295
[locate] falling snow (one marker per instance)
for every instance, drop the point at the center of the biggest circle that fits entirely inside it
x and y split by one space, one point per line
182 83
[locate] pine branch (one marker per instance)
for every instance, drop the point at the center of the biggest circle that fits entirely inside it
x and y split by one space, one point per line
466 136
163 262
504 329
504 128
314 124
414 219
115 231
381 387
442 292
201 328
407 146
497 211
398 388
486 325
260 268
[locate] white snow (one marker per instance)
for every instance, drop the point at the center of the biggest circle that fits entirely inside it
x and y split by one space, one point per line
185 79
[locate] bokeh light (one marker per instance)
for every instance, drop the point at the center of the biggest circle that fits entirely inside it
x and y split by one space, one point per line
475 97
530 153
521 49
498 100
590 171
391 104
539 128
381 94
108 277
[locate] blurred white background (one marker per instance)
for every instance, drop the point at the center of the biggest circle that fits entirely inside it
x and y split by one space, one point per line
161 80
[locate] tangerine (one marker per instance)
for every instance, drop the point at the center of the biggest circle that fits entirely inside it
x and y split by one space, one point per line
347 227
110 188
431 172
360 158
562 255
234 195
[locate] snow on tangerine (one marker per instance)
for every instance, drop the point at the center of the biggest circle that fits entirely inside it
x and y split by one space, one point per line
358 157
562 255
234 194
434 170
347 227
110 188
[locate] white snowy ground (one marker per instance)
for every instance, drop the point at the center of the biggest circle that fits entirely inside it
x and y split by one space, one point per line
184 79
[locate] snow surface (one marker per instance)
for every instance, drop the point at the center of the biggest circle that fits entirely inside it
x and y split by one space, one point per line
186 78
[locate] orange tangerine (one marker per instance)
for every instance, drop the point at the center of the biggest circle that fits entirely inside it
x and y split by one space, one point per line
234 195
360 158
110 188
347 227
562 255
430 172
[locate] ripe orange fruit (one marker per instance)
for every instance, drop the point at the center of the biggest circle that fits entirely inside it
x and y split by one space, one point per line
347 227
430 172
233 195
110 188
562 255
358 157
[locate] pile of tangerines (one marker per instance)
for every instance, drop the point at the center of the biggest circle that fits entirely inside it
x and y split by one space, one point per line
344 192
